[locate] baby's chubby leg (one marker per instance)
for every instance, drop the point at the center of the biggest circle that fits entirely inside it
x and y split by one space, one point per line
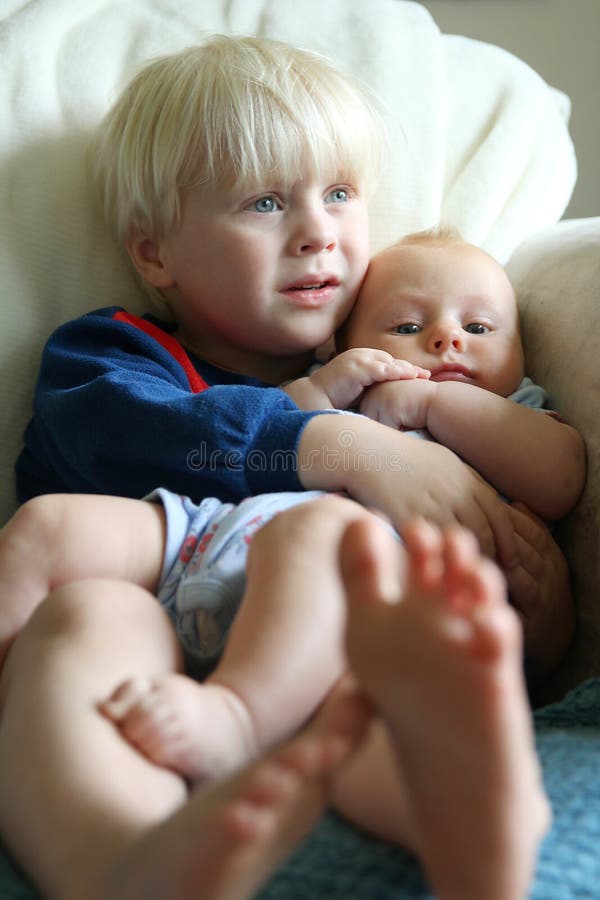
283 654
59 538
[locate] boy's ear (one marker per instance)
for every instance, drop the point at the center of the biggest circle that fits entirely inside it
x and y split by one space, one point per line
146 257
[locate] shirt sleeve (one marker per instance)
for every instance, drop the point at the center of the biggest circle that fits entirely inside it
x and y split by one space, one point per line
114 413
535 397
530 394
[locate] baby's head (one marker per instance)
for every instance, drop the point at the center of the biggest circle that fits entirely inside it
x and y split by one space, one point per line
235 111
443 304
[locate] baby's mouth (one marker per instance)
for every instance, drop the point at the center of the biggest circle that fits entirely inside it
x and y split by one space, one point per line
451 372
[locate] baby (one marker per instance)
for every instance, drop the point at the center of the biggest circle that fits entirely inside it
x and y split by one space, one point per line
448 308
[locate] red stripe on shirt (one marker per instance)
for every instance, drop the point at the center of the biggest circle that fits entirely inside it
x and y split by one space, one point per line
170 344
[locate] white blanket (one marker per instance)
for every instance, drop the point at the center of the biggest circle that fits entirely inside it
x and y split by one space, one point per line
477 138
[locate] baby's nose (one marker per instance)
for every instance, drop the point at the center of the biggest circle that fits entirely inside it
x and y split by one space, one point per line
446 335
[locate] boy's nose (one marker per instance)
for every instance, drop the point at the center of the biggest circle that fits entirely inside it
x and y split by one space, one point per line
314 233
317 243
444 336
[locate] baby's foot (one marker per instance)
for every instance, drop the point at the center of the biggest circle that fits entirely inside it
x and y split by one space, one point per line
201 731
441 658
228 839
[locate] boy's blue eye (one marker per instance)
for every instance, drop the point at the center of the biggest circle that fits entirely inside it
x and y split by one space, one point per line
476 328
407 328
338 195
264 205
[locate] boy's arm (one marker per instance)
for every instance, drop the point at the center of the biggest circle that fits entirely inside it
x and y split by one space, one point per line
115 414
540 592
524 453
340 383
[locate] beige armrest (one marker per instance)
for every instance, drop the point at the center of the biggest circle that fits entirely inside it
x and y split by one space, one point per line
557 277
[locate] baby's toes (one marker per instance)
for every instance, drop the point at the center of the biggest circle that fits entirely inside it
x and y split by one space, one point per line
424 545
497 630
126 698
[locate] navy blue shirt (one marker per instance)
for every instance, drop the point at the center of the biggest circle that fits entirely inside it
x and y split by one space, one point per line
121 408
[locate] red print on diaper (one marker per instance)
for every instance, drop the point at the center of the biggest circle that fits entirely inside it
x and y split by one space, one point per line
252 527
206 541
187 551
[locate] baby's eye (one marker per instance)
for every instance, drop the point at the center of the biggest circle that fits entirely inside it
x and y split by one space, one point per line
407 328
476 328
264 205
337 195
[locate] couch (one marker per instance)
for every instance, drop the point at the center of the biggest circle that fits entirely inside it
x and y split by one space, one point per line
477 139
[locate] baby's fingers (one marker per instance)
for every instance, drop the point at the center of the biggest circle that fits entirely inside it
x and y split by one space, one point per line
403 369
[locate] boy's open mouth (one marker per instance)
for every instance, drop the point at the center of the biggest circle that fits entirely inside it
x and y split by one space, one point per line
312 292
315 282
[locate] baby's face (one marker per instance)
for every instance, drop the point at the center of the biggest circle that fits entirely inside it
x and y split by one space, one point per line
447 307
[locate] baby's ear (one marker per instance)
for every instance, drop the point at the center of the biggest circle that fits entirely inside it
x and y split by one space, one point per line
146 255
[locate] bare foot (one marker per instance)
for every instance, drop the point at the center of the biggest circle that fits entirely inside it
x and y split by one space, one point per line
228 839
202 731
441 660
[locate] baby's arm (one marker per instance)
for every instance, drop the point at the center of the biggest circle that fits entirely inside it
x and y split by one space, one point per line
524 453
340 383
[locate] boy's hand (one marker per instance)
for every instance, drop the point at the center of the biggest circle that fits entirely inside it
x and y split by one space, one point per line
540 591
404 477
399 404
340 383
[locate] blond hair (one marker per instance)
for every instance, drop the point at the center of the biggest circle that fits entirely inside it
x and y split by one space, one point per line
438 234
233 111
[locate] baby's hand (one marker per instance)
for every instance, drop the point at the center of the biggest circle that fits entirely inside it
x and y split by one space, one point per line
399 404
340 383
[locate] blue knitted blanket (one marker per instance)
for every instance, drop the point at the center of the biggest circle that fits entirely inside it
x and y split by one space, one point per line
337 862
